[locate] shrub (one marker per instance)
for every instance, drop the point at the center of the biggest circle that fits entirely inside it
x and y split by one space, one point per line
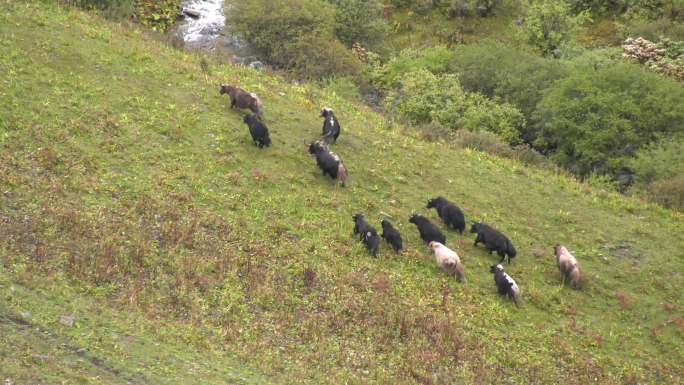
512 75
661 160
317 56
468 8
595 119
360 21
273 26
659 172
550 23
424 97
437 60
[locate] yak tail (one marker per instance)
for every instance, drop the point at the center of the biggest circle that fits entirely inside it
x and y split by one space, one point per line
516 299
328 138
574 277
511 250
456 269
342 174
459 272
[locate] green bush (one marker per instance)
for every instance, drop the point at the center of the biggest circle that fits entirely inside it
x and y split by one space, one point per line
659 172
469 8
512 75
317 56
424 97
360 21
159 15
550 23
437 60
273 26
595 119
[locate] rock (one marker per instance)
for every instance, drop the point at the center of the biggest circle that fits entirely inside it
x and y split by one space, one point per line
67 320
192 13
257 65
39 358
26 315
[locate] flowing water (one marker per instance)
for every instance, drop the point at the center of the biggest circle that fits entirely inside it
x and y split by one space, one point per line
209 33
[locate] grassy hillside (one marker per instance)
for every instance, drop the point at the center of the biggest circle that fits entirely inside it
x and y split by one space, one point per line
132 198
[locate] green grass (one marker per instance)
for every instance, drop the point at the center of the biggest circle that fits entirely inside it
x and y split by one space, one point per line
133 198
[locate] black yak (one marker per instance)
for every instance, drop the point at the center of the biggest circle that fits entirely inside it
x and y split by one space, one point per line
329 162
392 236
448 260
366 233
567 265
449 212
505 285
258 130
428 231
331 126
240 98
493 240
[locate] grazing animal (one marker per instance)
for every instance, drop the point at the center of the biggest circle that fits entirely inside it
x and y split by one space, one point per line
505 284
567 265
428 231
448 260
366 233
449 212
240 98
392 236
258 130
493 240
331 126
329 162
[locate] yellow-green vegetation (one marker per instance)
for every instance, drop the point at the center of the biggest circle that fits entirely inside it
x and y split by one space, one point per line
132 198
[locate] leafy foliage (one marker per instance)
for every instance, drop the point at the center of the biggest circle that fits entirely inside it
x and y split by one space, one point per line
659 172
423 97
437 60
594 120
317 56
550 23
468 8
360 21
271 27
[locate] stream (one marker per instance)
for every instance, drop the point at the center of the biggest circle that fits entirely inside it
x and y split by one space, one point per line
204 28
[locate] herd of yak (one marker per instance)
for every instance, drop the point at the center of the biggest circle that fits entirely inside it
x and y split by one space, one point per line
452 216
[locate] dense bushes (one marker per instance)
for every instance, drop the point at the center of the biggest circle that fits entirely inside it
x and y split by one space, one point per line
360 21
271 26
316 56
309 36
595 119
659 172
423 97
510 74
467 8
550 23
159 15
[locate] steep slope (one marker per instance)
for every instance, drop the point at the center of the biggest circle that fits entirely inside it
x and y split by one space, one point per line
125 178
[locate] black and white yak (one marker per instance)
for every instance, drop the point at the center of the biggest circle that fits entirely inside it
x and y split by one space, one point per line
331 126
505 285
329 162
366 233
